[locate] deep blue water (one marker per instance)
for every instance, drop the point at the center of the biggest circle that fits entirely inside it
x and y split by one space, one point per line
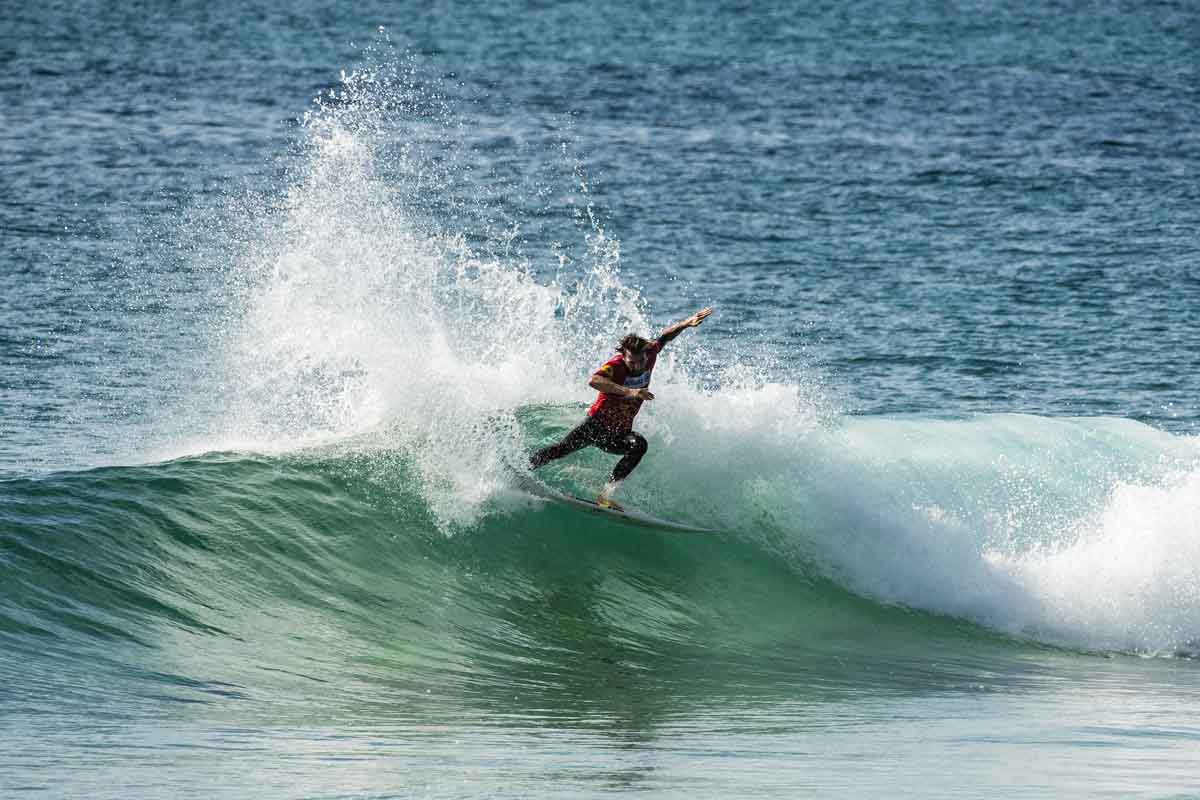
284 287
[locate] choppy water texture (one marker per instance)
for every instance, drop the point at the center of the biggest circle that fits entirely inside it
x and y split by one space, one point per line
286 292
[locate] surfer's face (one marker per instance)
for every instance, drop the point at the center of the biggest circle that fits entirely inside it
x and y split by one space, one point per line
635 361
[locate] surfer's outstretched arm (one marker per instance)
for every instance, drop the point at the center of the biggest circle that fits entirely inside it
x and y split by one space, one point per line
679 327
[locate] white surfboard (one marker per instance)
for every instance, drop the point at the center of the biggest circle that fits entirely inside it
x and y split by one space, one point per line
627 515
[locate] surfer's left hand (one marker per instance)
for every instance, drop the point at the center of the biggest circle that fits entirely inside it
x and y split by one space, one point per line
697 318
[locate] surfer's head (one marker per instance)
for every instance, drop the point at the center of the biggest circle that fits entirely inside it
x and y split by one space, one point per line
635 351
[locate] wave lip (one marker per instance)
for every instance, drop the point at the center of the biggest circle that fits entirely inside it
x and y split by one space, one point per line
1074 532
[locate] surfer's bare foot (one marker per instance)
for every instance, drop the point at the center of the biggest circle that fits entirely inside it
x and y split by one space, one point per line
604 501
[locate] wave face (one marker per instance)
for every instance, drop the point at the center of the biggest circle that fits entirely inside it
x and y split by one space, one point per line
290 572
320 580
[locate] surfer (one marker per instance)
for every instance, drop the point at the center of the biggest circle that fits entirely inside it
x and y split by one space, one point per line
624 384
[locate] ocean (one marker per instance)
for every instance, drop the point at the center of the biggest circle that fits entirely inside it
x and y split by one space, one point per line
287 290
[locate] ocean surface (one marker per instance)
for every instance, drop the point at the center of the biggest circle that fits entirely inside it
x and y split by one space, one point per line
286 290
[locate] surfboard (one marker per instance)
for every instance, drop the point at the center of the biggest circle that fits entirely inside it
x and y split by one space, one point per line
629 516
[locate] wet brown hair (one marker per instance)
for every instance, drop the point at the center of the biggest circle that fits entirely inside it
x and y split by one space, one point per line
633 344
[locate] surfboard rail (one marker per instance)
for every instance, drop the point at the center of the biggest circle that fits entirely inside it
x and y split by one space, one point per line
631 516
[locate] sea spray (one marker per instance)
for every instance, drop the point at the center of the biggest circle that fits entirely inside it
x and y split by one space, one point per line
365 298
365 307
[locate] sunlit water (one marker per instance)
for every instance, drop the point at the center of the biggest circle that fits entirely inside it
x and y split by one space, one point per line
287 292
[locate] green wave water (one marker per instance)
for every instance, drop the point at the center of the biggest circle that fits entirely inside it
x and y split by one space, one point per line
281 577
267 585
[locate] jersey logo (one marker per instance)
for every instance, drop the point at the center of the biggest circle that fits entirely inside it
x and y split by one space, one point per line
638 381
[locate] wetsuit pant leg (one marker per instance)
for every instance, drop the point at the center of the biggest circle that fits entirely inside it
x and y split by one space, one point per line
628 444
581 436
592 433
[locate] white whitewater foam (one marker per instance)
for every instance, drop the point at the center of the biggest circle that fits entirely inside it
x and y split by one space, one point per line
1084 533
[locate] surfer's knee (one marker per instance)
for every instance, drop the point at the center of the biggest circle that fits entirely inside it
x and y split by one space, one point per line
636 444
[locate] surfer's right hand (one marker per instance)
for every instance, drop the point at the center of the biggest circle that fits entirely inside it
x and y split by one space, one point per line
642 394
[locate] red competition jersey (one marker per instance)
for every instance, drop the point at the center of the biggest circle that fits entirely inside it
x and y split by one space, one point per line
615 411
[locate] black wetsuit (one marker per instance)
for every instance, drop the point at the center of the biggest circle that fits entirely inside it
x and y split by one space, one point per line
594 433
